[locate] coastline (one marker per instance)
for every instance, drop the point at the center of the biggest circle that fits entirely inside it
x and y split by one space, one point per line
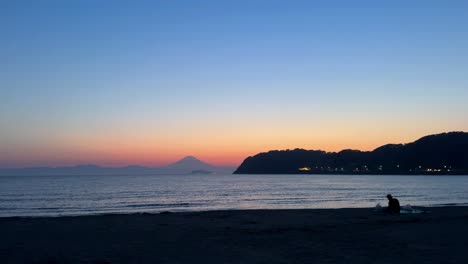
357 235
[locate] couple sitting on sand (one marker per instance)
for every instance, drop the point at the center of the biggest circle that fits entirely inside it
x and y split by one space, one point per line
393 205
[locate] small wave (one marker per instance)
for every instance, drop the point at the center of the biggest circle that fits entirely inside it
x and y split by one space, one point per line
26 209
33 199
450 204
160 205
56 208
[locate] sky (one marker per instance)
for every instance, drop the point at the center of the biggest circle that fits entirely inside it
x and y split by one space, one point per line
148 82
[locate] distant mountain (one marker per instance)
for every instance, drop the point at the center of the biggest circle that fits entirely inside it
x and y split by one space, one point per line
191 164
187 165
445 153
79 170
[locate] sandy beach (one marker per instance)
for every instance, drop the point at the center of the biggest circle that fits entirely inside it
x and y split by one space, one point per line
252 236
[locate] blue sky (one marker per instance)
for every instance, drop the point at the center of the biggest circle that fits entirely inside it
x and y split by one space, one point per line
169 78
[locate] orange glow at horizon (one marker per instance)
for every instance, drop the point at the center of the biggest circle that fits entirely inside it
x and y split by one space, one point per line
223 149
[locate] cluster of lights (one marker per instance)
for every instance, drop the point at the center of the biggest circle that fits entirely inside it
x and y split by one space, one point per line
329 168
380 168
446 168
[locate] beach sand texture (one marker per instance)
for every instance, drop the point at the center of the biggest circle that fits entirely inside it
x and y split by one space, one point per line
250 236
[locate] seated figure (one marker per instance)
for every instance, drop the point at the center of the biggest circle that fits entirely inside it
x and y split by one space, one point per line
393 205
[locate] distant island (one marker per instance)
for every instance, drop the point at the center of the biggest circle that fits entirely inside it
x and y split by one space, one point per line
202 172
441 154
187 165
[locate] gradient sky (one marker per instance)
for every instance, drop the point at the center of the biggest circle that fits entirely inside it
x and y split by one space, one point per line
148 82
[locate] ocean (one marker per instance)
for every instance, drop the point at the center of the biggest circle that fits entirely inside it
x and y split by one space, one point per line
85 195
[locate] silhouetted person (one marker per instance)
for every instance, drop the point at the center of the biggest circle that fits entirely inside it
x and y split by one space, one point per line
393 205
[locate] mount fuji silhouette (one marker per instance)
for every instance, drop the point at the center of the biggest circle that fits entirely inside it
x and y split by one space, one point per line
194 165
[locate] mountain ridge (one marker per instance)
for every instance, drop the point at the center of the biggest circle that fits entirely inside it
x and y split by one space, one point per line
186 165
445 153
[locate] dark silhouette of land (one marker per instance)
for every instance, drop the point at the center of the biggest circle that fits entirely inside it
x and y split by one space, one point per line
443 154
187 165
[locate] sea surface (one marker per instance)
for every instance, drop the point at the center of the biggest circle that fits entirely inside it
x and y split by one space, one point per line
84 195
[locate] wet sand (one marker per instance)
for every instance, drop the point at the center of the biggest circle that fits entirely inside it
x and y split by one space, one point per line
252 236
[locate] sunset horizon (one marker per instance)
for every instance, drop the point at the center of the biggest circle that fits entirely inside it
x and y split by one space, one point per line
217 158
247 131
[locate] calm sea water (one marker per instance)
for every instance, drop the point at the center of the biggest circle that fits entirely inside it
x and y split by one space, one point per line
81 195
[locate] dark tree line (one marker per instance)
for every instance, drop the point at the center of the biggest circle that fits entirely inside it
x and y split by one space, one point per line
445 153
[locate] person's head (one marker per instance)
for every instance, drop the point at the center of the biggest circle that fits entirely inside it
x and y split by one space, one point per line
389 196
